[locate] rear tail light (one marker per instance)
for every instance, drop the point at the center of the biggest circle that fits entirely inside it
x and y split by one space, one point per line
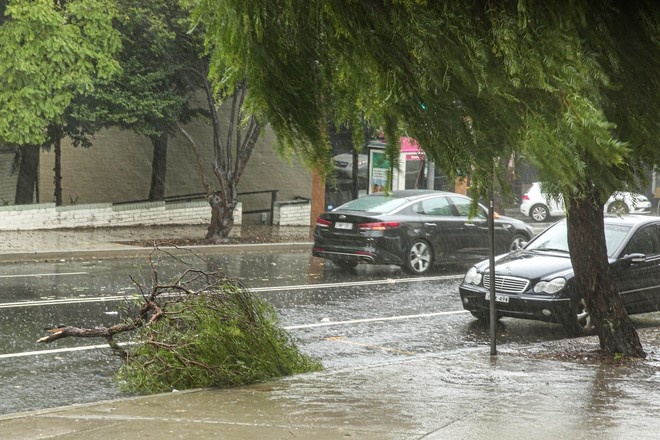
378 226
525 197
323 223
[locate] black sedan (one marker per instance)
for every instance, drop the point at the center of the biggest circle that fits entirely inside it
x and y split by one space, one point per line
537 282
414 229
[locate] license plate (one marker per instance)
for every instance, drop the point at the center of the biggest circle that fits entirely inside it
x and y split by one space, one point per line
498 298
342 225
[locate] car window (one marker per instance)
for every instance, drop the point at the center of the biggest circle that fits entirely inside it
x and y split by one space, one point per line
436 206
614 236
463 205
555 238
377 203
645 241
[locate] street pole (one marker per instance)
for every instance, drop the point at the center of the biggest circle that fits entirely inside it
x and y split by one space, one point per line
491 267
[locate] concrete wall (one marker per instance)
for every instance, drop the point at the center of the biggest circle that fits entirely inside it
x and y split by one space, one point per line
117 168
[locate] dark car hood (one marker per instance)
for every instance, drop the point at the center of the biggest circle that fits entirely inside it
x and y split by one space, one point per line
519 224
532 264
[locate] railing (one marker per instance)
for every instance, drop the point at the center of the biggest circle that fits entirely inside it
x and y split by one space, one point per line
271 210
197 196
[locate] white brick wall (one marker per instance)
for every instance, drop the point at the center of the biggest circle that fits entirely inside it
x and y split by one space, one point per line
48 216
292 213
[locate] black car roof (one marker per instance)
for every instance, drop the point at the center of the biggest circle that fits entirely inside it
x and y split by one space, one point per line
627 220
630 220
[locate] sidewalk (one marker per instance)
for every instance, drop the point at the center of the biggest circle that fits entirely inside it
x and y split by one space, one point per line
458 395
44 245
462 394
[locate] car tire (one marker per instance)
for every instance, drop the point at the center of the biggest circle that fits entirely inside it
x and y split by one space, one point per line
418 258
579 323
618 207
516 242
539 213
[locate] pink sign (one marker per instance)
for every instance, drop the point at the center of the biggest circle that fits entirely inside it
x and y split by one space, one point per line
409 145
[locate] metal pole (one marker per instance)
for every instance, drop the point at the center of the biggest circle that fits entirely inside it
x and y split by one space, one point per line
491 269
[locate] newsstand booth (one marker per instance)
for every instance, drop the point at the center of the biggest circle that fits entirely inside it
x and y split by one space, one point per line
415 171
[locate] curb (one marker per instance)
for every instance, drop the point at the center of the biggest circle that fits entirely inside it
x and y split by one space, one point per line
139 252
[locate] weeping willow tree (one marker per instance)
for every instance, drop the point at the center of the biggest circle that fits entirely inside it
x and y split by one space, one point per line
572 85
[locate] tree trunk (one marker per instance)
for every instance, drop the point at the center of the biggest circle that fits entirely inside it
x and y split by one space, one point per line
58 170
28 175
222 218
586 240
158 167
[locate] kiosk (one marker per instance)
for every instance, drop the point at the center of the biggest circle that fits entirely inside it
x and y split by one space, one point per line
414 170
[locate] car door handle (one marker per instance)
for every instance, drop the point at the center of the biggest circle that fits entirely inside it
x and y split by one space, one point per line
430 224
470 225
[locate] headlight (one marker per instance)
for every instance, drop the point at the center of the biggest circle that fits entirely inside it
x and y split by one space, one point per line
552 286
472 277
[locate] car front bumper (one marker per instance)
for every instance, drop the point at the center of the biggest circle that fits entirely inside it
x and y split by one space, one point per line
546 308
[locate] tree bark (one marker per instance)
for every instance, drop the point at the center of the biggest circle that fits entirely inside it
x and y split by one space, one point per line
158 167
28 174
222 218
586 241
57 142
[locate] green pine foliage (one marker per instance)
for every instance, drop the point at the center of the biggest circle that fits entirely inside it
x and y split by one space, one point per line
570 85
219 338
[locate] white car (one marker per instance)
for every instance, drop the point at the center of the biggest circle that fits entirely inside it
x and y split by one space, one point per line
540 207
343 163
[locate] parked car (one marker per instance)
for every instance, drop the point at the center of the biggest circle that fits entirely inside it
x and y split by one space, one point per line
414 229
537 281
343 164
540 206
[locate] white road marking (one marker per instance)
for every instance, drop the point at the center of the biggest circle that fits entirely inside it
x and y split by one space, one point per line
290 327
30 275
45 352
381 319
50 302
257 289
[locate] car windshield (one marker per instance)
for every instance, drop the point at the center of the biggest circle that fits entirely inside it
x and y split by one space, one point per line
379 204
556 238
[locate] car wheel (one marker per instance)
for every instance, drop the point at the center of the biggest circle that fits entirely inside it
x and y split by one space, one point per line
516 242
618 207
580 322
419 258
539 213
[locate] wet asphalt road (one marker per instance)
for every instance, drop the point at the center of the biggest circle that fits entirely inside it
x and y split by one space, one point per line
373 315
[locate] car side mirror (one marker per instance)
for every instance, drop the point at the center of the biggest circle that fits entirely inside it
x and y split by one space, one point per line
634 258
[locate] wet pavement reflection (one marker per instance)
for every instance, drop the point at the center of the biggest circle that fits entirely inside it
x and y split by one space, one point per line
373 315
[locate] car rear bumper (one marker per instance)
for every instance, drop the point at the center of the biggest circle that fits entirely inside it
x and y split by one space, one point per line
525 206
537 307
372 256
